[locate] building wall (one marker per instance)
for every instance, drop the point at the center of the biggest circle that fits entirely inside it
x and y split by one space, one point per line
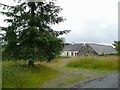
69 53
86 51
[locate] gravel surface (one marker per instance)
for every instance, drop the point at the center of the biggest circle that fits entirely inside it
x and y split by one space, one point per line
105 81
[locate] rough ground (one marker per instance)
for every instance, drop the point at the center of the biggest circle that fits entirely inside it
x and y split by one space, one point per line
105 81
80 78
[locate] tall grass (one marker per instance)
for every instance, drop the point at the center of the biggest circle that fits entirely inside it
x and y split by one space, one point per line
100 63
22 76
0 74
61 57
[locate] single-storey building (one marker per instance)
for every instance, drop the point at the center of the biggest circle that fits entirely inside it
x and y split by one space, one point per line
71 49
88 49
96 49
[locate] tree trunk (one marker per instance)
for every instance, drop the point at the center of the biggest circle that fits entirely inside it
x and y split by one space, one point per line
31 63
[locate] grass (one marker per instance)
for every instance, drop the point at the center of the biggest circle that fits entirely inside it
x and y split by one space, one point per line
14 76
55 74
98 63
67 76
61 57
0 74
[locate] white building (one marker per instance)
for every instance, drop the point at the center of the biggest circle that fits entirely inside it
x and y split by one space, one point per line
71 49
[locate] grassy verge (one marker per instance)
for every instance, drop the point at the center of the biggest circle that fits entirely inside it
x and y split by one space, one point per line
61 57
98 63
14 76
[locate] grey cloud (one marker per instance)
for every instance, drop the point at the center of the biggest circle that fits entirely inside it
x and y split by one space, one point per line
93 32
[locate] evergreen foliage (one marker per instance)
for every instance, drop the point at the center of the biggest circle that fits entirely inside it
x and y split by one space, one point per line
117 46
29 33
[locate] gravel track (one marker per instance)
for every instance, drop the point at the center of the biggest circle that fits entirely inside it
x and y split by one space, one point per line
105 81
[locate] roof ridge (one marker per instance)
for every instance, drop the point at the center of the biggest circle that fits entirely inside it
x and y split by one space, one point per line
98 44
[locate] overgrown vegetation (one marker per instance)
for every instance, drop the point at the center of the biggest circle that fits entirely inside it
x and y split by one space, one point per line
117 46
62 57
0 74
99 63
55 74
19 75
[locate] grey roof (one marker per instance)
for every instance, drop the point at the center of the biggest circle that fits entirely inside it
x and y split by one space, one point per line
100 49
71 47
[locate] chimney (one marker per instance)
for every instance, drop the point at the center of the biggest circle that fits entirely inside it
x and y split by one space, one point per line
73 43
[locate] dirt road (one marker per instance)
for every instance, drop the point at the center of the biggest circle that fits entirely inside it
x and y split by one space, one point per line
105 81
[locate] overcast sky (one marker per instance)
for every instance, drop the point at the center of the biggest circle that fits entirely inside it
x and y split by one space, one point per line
94 21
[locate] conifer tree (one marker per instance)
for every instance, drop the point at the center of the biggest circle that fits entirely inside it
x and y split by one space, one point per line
29 34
